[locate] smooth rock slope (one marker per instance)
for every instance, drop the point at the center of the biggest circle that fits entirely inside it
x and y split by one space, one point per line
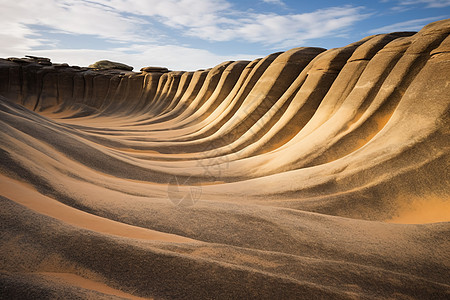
306 174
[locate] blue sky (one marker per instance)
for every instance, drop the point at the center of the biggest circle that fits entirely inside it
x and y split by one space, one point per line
194 34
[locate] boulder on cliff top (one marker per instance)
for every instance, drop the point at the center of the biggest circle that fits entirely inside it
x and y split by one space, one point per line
155 69
106 64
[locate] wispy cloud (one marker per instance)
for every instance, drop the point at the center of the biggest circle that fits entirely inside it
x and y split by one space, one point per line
177 14
217 21
141 24
284 30
406 5
428 3
172 56
276 2
213 20
72 16
411 25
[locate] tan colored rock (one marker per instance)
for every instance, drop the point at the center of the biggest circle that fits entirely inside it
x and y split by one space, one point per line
278 178
106 65
154 70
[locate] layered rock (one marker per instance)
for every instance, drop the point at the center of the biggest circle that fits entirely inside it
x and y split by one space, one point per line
107 65
294 162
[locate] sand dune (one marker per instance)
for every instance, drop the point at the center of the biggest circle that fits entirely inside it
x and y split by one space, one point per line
305 174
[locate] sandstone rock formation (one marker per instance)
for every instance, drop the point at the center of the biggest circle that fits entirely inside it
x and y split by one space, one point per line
154 69
106 65
277 178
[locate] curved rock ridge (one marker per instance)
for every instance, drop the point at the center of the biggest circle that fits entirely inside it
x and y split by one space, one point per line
274 178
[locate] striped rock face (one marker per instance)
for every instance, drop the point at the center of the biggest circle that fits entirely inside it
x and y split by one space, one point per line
277 178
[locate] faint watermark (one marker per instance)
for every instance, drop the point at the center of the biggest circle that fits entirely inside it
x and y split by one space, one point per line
183 192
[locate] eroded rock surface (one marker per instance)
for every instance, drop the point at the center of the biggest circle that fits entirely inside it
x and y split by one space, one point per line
106 65
277 178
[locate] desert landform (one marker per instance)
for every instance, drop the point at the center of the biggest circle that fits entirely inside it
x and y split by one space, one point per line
305 174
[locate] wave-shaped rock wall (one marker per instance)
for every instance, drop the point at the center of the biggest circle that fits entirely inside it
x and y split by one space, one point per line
265 156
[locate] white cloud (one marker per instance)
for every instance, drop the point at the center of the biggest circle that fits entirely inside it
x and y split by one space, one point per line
182 13
276 2
132 23
71 16
178 57
283 30
411 25
171 56
214 20
429 3
405 5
